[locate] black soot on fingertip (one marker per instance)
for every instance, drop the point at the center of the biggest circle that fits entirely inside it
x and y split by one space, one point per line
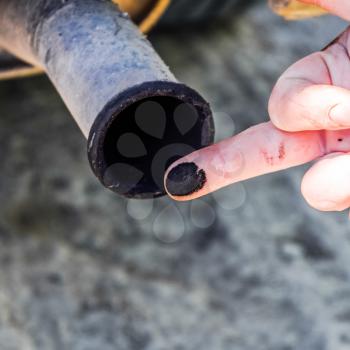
185 179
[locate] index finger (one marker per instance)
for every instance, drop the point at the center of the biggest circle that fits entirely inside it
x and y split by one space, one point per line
259 150
256 151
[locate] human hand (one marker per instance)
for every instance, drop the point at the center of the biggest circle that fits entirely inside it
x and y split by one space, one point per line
310 119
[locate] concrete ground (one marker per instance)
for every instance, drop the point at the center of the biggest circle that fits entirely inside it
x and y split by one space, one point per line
252 268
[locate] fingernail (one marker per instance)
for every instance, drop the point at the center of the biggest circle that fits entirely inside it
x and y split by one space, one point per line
185 179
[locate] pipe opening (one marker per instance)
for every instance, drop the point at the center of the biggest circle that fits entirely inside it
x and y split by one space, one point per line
145 139
144 129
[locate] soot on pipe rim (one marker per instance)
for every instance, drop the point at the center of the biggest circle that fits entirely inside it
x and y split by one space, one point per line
144 129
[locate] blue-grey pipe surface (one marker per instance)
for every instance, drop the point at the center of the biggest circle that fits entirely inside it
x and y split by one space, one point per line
109 76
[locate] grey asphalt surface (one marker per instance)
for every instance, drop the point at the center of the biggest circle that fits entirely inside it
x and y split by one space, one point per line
253 268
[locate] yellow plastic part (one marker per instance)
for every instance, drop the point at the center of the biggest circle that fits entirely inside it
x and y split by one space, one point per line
20 73
145 13
294 9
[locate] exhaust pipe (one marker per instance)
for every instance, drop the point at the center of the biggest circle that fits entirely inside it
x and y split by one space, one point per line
136 116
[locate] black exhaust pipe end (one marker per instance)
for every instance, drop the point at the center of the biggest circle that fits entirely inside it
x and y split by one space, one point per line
141 131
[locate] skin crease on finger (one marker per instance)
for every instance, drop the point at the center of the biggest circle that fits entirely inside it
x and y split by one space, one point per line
259 150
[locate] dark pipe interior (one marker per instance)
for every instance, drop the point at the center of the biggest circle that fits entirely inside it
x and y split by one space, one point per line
145 139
